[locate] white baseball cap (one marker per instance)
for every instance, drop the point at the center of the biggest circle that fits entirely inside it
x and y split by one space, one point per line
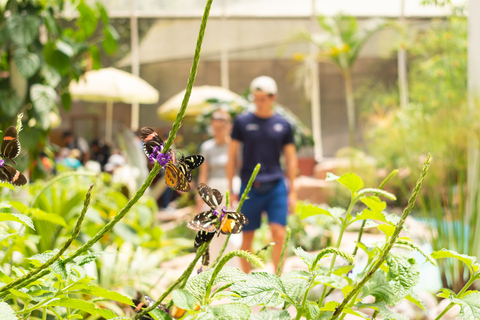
264 84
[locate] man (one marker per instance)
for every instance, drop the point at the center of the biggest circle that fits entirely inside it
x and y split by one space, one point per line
73 142
264 135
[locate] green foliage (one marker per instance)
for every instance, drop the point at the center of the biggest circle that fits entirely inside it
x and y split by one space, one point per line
40 56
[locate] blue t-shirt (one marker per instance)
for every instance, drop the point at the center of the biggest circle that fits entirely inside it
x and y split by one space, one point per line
263 141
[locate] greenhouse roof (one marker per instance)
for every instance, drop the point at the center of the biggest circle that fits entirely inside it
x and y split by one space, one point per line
275 8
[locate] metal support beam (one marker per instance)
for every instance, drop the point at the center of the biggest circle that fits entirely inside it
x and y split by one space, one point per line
135 109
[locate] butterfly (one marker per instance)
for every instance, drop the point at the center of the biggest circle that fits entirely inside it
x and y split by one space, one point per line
187 164
232 222
150 139
177 178
201 238
9 150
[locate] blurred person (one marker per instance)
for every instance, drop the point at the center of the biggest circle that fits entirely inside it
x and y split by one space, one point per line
74 142
212 173
122 174
264 136
100 152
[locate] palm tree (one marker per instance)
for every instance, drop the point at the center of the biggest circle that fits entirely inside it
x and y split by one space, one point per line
341 46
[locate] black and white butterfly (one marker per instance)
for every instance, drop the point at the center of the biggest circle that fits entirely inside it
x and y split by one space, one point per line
204 221
9 150
187 164
212 197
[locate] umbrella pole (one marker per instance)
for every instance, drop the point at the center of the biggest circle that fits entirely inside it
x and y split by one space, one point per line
108 124
134 116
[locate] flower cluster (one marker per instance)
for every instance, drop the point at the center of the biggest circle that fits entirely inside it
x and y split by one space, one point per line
162 158
216 213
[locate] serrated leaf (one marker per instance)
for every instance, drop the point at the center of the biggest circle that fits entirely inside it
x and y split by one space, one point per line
4 205
305 256
378 287
387 229
469 305
5 184
373 215
17 217
351 181
6 312
6 236
374 203
51 75
383 311
295 283
446 293
158 314
41 258
330 306
312 309
308 210
444 253
197 285
271 315
81 305
331 281
231 311
331 177
408 242
403 274
183 299
82 260
260 288
104 293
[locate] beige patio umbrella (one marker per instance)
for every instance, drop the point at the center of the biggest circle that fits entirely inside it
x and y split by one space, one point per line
198 101
112 85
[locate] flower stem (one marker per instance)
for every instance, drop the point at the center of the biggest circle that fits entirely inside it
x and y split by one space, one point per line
284 249
62 250
388 246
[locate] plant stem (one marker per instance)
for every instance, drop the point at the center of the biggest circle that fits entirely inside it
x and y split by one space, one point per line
360 233
184 275
451 304
350 107
62 250
284 249
191 79
240 204
388 245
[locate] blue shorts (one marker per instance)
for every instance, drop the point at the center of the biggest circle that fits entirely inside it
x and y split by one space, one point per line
273 201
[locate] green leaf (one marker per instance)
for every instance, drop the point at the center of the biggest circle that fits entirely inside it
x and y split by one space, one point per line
81 305
271 315
308 210
312 309
95 55
305 256
9 107
87 21
446 293
104 293
158 314
332 305
41 258
103 12
381 192
408 242
374 203
22 28
469 305
6 236
413 298
51 75
6 312
17 217
64 48
197 285
183 299
261 288
351 181
444 253
111 39
27 62
231 311
378 287
84 259
66 99
387 229
403 274
56 58
5 205
383 311
43 98
295 284
38 214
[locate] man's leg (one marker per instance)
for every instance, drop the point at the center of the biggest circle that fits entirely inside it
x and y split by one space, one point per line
247 246
278 235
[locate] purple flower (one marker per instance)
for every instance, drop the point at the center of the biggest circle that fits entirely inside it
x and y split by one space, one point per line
2 162
163 158
215 212
224 211
200 270
154 154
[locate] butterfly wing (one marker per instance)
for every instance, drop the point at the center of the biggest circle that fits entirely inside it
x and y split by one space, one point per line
12 175
150 139
204 221
206 257
212 197
175 179
10 144
202 237
185 170
194 161
233 223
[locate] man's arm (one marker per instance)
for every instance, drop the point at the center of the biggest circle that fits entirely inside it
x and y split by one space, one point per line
291 172
232 163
